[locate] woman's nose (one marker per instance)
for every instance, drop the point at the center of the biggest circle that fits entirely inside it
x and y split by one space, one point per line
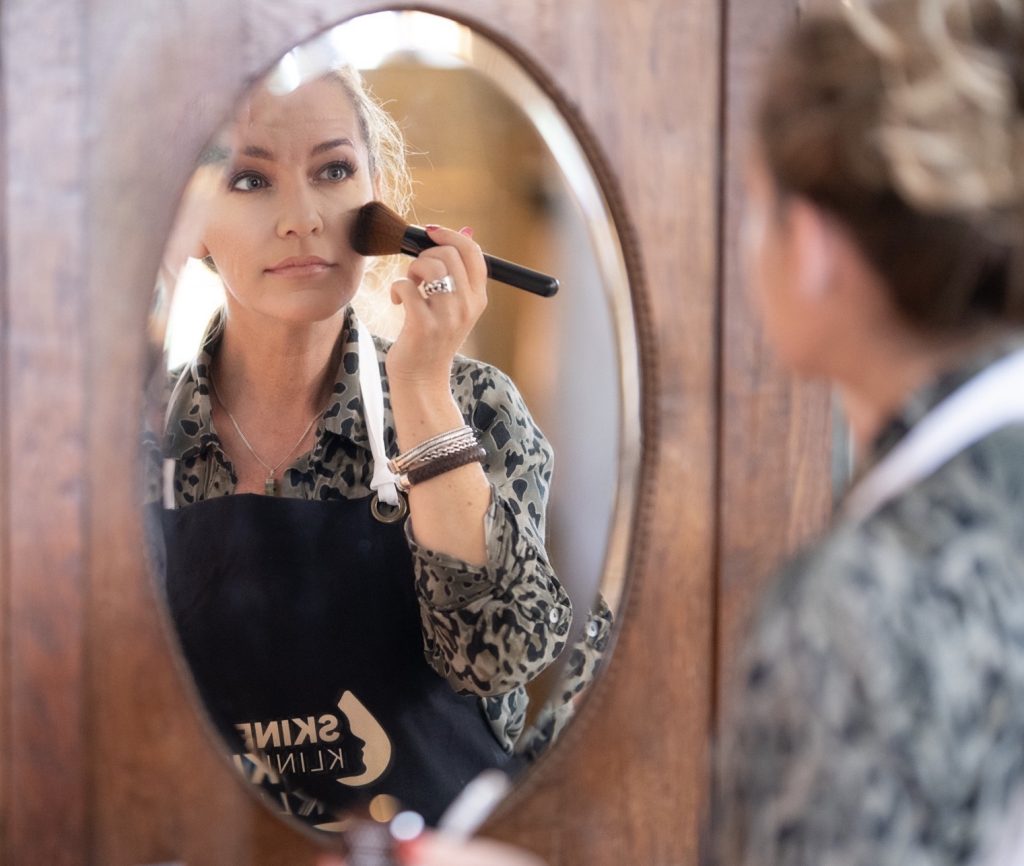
299 215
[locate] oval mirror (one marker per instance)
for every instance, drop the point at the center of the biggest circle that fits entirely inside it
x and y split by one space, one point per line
363 650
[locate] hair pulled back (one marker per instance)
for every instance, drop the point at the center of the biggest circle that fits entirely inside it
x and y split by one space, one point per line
905 119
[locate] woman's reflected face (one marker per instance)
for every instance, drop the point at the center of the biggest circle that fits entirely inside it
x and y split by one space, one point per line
295 170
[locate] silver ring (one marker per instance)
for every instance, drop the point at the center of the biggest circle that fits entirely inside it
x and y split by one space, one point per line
443 286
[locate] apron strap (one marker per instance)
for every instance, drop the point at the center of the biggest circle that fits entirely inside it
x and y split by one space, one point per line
383 481
991 400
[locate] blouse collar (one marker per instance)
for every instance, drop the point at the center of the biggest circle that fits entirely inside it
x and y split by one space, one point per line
190 429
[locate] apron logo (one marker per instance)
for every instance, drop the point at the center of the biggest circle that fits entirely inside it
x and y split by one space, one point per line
351 746
377 745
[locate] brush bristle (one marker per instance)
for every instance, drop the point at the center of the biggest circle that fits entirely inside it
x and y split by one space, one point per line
378 230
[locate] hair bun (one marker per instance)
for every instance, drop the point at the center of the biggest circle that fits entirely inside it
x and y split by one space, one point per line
951 126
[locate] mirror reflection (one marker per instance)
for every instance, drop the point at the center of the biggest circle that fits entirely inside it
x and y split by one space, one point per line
384 577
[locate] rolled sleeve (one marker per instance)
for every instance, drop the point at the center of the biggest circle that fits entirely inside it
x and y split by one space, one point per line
492 628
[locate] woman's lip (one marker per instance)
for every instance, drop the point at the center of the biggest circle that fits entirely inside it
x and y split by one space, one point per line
299 266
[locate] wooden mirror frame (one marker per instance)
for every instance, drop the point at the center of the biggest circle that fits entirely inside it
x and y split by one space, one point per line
102 759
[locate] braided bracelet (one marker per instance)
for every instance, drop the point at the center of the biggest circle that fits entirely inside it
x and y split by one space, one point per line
424 472
442 445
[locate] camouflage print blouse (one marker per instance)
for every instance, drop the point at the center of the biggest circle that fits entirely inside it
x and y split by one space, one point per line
487 630
878 712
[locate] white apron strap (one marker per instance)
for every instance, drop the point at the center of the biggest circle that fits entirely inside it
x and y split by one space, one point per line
383 482
991 400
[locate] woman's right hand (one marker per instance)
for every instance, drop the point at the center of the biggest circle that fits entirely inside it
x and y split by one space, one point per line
434 849
435 328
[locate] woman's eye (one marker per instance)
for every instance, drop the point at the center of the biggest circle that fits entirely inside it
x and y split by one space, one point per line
248 182
336 171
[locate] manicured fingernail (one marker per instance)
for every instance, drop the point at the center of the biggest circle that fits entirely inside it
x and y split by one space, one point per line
467 231
431 227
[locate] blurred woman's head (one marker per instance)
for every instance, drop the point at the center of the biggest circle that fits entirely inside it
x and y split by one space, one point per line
892 140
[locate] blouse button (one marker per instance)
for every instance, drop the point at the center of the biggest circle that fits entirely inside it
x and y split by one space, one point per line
553 616
592 629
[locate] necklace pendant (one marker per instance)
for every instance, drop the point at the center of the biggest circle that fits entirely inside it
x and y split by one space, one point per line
270 486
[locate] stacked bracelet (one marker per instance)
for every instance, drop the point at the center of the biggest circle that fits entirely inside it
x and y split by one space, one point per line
474 454
433 448
437 455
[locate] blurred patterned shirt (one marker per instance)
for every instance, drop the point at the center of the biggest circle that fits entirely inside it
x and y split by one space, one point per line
877 715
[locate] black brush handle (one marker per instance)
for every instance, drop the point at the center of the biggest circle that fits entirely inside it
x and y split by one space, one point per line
416 240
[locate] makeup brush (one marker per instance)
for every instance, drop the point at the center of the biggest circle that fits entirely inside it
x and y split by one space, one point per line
379 231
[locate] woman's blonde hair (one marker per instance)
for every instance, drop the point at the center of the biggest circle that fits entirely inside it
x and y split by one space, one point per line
905 119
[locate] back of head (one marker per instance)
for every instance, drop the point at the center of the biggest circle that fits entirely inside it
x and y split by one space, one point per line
905 119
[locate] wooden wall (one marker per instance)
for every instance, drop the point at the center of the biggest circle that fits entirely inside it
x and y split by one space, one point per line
105 103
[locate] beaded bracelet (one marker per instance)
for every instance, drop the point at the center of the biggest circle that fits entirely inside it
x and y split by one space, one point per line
424 472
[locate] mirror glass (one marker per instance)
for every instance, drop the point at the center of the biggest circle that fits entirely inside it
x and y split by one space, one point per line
349 668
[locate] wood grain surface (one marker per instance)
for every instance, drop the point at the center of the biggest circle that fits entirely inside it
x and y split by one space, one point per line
775 432
45 746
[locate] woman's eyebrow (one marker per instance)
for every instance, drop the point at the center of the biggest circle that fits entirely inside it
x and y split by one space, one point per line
330 145
258 152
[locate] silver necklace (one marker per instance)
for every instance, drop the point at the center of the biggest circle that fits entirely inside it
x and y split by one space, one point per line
270 485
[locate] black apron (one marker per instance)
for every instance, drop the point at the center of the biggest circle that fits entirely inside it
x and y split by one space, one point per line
301 626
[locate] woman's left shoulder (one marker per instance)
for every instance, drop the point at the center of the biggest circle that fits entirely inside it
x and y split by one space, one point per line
482 378
475 382
491 403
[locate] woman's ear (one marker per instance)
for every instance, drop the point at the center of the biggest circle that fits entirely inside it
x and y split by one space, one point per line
812 232
183 243
190 222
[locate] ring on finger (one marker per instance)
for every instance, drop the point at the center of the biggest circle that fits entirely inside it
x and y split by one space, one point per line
443 286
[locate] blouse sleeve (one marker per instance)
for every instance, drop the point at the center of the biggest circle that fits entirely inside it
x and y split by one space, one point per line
490 629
